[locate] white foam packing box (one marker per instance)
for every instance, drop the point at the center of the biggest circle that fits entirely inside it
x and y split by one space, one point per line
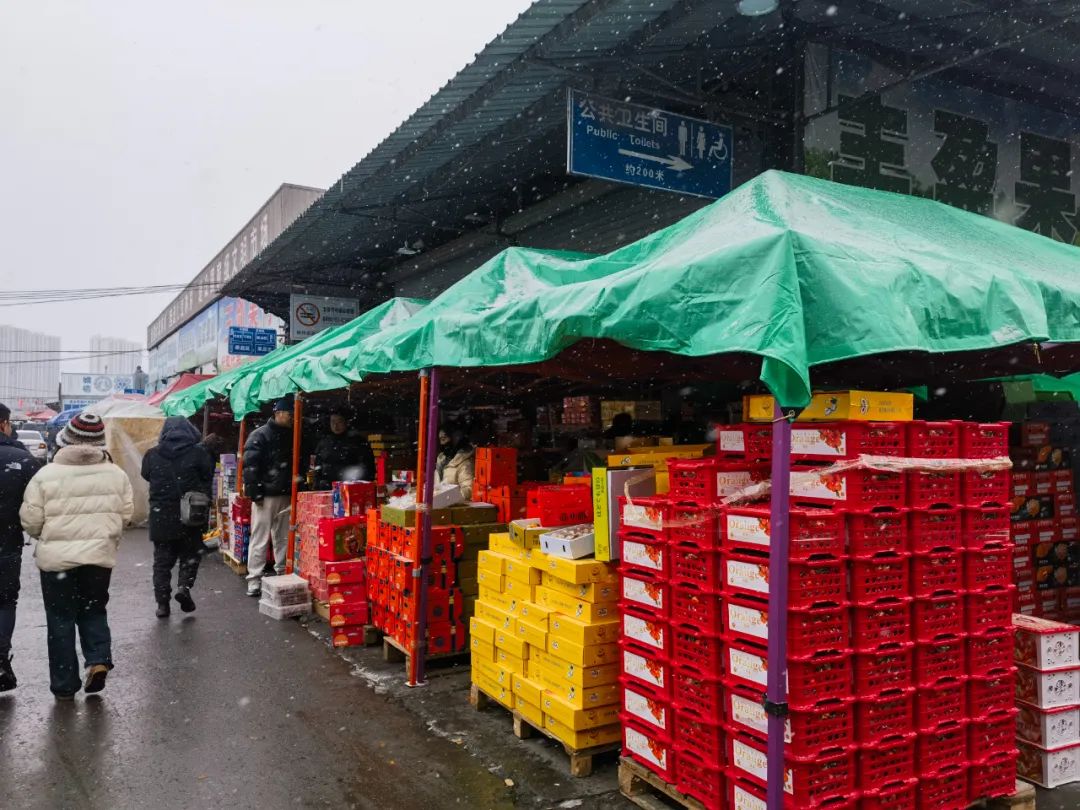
1048 689
1048 767
288 590
1045 644
280 612
1048 728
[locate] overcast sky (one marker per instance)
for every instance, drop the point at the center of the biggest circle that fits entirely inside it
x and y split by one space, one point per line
136 138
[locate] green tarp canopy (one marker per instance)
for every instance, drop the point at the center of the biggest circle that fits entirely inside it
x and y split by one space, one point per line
795 270
190 400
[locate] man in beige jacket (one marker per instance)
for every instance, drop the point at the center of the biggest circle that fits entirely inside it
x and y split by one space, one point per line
77 508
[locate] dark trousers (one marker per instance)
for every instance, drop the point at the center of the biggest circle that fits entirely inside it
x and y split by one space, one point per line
10 569
185 548
76 598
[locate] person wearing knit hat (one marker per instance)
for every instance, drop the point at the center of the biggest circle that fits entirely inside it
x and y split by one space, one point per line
76 508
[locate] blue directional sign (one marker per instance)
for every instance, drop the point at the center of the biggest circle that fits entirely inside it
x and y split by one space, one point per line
248 340
644 146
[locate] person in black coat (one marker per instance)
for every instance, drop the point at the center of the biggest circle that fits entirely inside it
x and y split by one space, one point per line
17 467
178 464
268 472
342 455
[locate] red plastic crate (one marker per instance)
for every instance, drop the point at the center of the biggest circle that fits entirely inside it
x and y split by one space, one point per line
935 529
647 707
696 607
650 748
698 692
883 669
692 478
809 631
648 514
810 680
933 439
701 778
881 577
812 533
647 592
980 487
944 789
937 573
938 660
694 566
984 439
743 793
991 694
990 653
944 746
986 527
990 737
993 777
989 610
941 703
883 623
875 532
988 568
888 760
810 584
747 440
927 489
698 733
832 441
808 782
695 524
851 489
938 618
645 552
646 666
695 648
892 796
827 726
884 715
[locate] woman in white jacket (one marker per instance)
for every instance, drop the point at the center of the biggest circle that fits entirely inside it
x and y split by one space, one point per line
77 508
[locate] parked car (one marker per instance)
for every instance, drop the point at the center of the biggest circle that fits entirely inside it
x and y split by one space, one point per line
33 441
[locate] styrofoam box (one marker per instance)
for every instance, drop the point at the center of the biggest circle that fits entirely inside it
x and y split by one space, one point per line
1046 644
285 590
1048 690
1048 767
1050 728
288 612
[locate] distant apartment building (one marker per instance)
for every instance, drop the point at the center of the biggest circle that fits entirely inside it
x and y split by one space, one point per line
110 355
29 368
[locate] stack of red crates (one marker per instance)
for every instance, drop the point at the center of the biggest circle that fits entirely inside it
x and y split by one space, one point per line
496 482
311 507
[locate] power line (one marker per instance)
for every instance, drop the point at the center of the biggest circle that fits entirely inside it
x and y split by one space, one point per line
18 298
55 359
66 351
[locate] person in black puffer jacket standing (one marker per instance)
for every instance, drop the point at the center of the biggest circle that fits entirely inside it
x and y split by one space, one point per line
17 467
268 472
178 464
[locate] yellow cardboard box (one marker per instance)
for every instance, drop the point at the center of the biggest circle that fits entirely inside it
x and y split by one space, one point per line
482 650
833 406
499 600
579 632
593 655
491 561
495 582
656 457
590 592
581 697
588 612
520 591
508 641
589 738
535 636
529 710
528 690
552 667
522 571
491 688
532 666
502 544
514 663
575 718
504 677
483 630
488 669
577 572
535 613
526 532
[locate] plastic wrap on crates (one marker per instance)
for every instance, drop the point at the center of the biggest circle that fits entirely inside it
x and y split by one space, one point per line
829 441
812 533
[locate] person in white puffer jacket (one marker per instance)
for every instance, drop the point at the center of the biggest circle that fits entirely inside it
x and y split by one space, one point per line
76 508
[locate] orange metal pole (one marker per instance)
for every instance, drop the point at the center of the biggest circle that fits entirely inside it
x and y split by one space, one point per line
297 424
240 458
414 649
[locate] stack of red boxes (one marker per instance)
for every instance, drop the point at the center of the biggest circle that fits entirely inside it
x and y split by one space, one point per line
238 532
496 482
311 507
1046 530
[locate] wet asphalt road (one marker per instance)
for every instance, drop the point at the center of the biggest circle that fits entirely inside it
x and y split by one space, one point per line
222 707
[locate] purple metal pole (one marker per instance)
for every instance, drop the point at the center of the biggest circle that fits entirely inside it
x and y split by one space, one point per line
776 684
432 451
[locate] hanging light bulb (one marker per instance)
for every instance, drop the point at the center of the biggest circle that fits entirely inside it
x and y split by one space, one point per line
756 8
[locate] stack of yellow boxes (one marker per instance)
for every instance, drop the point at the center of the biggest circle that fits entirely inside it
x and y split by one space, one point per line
544 638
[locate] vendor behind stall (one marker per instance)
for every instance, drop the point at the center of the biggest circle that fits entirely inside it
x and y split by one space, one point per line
343 454
456 461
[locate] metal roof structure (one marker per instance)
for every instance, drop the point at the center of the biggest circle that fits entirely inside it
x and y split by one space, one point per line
490 145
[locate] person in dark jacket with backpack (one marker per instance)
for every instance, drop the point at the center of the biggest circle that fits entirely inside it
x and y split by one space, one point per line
268 473
178 465
17 467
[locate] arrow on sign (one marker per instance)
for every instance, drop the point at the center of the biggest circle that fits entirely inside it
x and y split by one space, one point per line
671 161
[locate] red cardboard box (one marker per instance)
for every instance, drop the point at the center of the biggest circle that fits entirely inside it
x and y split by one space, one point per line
496 466
340 538
561 505
1064 504
345 571
347 592
349 614
349 636
1070 528
353 498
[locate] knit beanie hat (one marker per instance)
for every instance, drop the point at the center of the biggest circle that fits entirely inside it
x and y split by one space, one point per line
84 428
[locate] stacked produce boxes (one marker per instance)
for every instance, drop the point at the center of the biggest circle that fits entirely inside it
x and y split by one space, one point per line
285 597
237 537
1048 699
545 631
496 482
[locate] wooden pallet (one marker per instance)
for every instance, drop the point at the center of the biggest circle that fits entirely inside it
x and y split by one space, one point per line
647 790
237 567
581 759
395 653
1022 799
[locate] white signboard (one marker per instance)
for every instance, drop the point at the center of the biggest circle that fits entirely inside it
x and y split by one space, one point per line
310 314
94 385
